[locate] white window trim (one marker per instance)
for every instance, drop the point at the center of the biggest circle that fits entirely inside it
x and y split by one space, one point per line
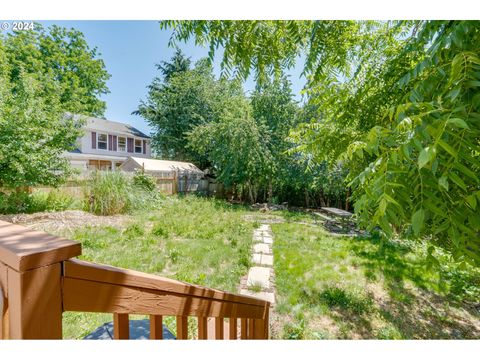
98 141
118 143
135 146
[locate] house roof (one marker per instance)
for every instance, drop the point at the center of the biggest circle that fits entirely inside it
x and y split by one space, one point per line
97 124
154 165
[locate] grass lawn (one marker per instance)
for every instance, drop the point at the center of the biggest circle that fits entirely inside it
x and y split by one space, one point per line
202 241
351 288
328 287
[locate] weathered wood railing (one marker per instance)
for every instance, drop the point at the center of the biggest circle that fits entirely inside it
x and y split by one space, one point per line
40 280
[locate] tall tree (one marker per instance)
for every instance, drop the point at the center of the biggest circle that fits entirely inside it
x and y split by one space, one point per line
274 107
43 75
62 55
177 64
189 98
235 145
33 132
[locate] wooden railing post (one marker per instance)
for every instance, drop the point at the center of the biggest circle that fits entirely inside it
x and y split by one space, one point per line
31 280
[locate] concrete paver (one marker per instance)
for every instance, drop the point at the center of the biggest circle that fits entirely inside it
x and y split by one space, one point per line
259 276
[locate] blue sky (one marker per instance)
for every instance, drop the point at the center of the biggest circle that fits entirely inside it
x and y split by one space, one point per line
130 50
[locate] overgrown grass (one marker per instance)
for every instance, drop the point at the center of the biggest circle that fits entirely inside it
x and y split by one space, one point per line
198 240
340 287
113 192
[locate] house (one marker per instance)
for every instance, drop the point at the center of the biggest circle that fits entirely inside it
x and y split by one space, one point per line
185 175
106 145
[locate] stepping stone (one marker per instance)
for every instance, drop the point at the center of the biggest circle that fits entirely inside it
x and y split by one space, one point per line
262 259
258 238
139 330
268 240
259 276
262 248
257 258
267 260
262 295
264 227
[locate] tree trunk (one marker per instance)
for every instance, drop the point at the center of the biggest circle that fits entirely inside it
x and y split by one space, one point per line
346 199
270 192
307 199
250 193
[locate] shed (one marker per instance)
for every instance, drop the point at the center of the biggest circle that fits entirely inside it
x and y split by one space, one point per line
186 175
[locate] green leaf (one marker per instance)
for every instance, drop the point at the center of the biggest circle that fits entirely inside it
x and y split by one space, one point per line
458 123
456 179
447 148
472 201
417 221
443 182
426 155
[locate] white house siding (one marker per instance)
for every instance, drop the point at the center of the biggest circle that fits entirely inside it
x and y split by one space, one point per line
86 145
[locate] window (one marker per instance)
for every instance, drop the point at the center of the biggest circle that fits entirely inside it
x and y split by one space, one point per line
102 141
138 146
122 143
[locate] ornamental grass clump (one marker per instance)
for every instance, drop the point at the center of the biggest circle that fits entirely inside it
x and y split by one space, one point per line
114 192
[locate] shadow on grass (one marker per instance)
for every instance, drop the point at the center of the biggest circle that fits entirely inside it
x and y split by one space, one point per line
422 311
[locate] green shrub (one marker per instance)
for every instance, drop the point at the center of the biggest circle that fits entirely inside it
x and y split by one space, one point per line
24 202
294 330
54 200
144 181
15 202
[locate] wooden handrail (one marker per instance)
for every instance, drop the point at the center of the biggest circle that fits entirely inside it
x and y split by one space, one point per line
40 280
84 270
100 288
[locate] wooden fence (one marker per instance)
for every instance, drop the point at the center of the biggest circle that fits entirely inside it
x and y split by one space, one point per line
40 279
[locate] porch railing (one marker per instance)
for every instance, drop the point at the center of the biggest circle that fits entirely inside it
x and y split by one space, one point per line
40 279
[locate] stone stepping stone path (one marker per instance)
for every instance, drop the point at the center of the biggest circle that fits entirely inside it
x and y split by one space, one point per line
259 282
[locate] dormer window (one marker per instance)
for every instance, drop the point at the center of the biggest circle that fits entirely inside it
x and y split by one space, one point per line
122 143
138 146
102 141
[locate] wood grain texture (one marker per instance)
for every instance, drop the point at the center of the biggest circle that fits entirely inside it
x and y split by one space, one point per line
258 329
182 327
251 329
232 329
109 274
24 249
243 329
35 303
202 328
156 327
92 296
121 327
219 327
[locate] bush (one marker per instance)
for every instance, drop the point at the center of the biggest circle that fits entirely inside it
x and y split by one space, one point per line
24 202
15 202
144 181
54 200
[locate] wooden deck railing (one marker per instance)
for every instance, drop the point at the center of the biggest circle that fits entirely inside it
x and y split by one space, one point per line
39 280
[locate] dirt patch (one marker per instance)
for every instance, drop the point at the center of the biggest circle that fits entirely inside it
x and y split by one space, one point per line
64 221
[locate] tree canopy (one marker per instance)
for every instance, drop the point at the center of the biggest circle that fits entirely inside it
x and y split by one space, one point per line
183 99
397 103
44 74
